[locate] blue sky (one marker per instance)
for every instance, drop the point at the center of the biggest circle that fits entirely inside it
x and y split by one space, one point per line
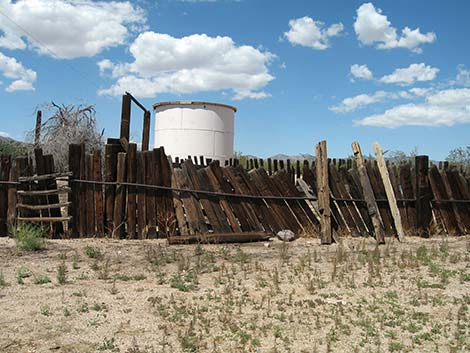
396 72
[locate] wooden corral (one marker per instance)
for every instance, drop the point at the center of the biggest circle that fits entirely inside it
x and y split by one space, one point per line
125 193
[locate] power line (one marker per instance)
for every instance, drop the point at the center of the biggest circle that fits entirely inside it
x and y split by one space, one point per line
55 56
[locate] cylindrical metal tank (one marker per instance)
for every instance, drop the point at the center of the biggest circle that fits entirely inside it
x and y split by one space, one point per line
195 129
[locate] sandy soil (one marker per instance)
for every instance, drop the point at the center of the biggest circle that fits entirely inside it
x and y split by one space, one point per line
145 296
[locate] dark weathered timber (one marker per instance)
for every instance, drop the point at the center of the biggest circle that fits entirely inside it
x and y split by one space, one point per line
351 179
220 238
119 200
125 117
90 198
323 192
455 206
194 183
98 191
194 214
57 228
300 208
281 208
131 191
394 179
182 225
74 168
270 169
111 152
12 200
150 201
43 207
214 200
214 173
5 166
36 193
166 218
146 131
341 207
445 209
368 193
407 187
239 187
264 213
350 213
82 220
37 129
458 193
379 193
141 199
423 196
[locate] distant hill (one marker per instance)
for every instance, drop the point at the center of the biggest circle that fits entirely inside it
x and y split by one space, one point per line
13 147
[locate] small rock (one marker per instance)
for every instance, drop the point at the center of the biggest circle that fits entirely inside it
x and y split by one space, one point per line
286 235
266 245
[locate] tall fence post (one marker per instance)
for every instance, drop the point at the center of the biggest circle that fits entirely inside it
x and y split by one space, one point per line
423 196
146 131
125 116
323 192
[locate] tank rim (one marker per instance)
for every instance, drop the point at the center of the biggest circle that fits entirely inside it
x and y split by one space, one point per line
161 104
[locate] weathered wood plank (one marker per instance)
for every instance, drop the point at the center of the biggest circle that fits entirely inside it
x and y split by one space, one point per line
131 191
372 207
323 192
119 200
392 201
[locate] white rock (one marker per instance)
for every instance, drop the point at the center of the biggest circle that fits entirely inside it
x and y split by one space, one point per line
286 235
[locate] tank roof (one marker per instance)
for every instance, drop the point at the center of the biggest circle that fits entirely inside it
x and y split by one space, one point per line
160 104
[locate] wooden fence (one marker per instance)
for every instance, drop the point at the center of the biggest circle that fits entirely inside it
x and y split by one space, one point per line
125 193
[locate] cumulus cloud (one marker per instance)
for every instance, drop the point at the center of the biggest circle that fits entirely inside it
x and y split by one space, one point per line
196 63
372 27
310 33
463 77
362 100
23 78
361 72
411 74
70 29
442 108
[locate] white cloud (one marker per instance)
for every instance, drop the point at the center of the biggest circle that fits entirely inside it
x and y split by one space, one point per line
195 63
372 27
4 134
362 100
463 77
70 29
442 108
23 78
411 74
361 72
309 33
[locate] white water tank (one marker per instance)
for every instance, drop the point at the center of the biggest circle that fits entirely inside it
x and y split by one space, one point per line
195 129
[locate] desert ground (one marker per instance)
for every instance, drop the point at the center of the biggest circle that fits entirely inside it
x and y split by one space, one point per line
99 295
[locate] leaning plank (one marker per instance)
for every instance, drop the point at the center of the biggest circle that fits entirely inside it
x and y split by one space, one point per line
45 177
5 166
392 201
141 199
220 238
60 190
178 204
12 199
44 219
43 207
98 189
368 194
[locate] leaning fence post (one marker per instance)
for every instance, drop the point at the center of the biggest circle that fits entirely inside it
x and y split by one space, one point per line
323 192
392 201
12 200
372 208
146 131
